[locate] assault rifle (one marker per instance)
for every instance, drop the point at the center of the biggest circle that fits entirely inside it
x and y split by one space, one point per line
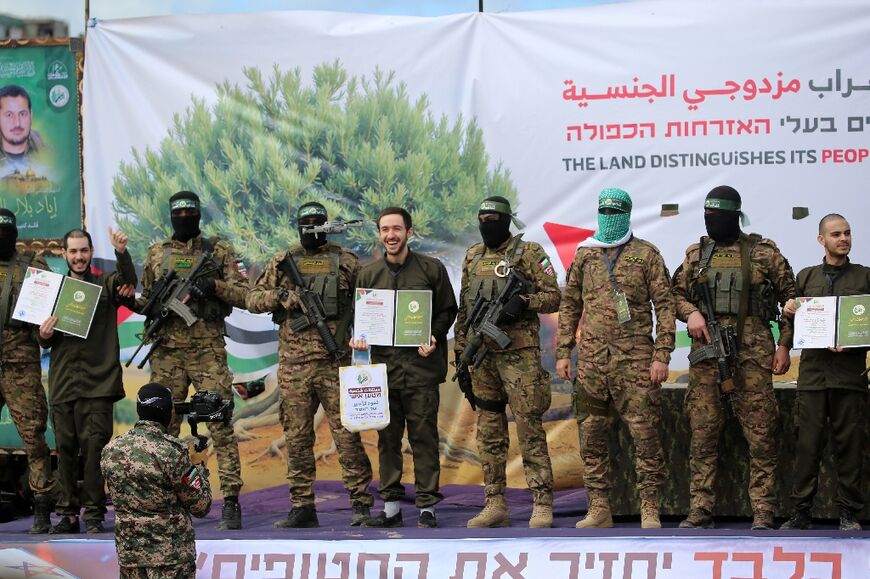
333 227
169 295
483 323
723 347
314 314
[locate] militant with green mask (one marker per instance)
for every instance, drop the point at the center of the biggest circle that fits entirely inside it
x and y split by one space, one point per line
613 227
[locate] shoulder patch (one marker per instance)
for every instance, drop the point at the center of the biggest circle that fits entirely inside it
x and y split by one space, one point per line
547 267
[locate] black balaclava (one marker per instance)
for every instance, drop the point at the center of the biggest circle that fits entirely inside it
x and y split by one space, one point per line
186 227
494 233
722 214
315 214
8 234
154 403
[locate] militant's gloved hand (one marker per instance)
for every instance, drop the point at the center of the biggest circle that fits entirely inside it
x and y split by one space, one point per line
513 310
203 288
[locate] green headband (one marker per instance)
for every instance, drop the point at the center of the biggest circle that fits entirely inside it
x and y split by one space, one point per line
611 203
312 211
726 205
183 204
722 204
490 206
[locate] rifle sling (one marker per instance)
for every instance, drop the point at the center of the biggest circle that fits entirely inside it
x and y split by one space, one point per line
746 272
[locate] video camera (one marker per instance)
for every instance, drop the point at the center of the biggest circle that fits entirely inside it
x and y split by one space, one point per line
204 406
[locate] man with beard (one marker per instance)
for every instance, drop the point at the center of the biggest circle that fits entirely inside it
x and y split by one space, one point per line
84 381
748 279
414 374
21 374
612 281
17 139
832 387
511 375
307 371
197 354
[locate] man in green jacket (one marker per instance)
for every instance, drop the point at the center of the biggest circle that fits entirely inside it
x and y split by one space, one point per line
414 374
832 387
84 381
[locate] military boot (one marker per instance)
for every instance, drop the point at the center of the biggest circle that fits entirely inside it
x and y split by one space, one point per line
299 518
649 514
848 522
542 517
698 519
762 521
231 515
494 514
41 515
800 520
598 515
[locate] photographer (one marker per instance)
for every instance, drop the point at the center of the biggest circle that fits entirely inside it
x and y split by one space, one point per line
155 489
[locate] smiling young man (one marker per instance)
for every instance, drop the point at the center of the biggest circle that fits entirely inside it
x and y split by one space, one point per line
414 374
84 381
832 387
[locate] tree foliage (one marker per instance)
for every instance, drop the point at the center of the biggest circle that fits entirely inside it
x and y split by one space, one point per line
355 145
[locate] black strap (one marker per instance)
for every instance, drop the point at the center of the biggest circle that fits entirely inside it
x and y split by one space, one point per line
831 279
611 265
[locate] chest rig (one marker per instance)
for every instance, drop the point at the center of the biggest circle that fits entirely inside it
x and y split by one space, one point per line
320 273
12 273
211 309
489 272
728 275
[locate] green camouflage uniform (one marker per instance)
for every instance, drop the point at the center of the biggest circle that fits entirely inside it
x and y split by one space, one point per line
145 470
308 373
197 355
614 359
514 374
21 377
754 402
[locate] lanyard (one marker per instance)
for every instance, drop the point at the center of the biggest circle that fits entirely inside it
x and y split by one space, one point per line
611 265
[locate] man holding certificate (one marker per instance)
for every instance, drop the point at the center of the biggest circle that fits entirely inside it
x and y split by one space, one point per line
84 382
308 363
832 387
414 373
20 372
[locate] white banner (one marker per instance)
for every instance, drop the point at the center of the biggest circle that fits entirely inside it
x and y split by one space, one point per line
259 113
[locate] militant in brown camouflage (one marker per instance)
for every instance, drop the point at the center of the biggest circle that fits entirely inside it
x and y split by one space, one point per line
145 469
515 374
21 384
197 355
308 376
614 359
754 402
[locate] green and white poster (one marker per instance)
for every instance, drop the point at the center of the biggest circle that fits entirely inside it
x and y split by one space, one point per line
413 317
40 161
75 306
853 324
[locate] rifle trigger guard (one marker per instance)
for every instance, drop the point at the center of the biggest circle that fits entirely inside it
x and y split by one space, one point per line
502 269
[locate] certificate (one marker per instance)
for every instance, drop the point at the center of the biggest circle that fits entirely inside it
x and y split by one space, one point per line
373 315
413 318
815 322
853 326
75 307
38 293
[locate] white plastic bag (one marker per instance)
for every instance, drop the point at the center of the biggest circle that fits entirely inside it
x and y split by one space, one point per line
364 397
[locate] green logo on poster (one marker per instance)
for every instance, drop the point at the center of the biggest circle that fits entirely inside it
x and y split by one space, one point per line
57 71
58 96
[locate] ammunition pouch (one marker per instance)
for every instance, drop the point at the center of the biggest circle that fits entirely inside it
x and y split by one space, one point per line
763 302
212 309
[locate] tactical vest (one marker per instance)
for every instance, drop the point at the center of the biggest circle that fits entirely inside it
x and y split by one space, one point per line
485 279
321 275
725 271
212 309
18 268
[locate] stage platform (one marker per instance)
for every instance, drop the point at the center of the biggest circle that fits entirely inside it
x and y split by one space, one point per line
452 551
